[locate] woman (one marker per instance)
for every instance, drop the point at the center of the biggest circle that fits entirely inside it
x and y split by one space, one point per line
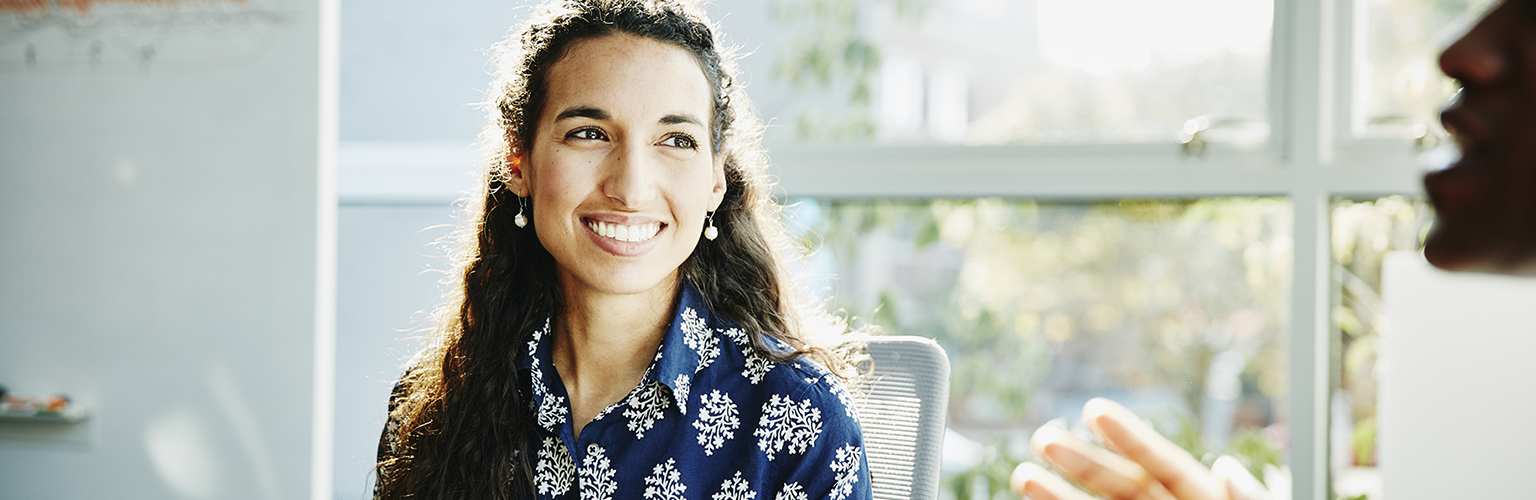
623 327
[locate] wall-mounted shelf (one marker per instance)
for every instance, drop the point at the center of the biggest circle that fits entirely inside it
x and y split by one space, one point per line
72 429
70 416
48 421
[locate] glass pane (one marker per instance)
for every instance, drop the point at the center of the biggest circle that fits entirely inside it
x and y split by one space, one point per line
1176 308
1033 71
1402 89
1363 233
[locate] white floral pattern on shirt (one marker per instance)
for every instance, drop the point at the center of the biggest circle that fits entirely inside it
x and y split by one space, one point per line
717 421
757 365
735 488
840 390
597 475
683 383
697 335
787 426
552 412
646 406
791 491
552 476
737 336
665 482
849 462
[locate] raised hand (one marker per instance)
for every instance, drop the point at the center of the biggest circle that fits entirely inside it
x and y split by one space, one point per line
1136 463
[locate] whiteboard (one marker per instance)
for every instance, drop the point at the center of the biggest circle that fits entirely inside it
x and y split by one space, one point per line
159 180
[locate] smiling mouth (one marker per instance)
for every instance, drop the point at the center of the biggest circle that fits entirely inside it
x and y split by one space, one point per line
630 234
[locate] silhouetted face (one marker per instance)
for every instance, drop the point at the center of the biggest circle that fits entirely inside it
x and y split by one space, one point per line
1486 202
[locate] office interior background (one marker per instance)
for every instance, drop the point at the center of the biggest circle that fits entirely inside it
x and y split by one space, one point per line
224 226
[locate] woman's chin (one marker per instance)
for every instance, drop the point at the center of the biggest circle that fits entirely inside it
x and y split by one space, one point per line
621 280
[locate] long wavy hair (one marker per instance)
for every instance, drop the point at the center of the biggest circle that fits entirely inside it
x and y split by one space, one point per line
459 426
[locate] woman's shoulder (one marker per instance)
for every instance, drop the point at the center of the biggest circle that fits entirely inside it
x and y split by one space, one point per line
798 381
750 367
803 418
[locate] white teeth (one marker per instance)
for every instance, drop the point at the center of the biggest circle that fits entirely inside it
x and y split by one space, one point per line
632 234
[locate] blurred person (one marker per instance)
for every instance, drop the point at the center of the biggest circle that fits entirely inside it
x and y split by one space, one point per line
1485 222
1485 204
621 320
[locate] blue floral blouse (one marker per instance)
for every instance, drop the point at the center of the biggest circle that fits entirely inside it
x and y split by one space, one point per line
712 419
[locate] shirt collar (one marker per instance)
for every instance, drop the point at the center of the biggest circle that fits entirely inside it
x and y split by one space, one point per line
689 345
549 403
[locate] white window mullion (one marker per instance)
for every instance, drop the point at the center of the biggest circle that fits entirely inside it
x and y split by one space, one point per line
1045 172
1305 35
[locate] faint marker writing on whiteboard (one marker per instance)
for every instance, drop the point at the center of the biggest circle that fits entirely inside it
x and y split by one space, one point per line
137 35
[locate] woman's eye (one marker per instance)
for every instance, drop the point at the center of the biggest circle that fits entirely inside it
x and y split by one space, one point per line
590 134
680 141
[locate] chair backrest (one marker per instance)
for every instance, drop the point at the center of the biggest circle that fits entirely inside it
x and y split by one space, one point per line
902 411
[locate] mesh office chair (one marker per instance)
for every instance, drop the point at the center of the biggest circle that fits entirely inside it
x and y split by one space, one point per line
902 412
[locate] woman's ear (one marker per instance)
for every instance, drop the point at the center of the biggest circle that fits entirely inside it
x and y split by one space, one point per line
516 178
717 194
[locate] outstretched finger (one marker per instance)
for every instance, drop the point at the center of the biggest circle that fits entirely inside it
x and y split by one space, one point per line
1175 468
1035 483
1097 470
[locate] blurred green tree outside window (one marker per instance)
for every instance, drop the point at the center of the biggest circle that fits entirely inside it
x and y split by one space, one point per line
1364 231
984 72
1176 307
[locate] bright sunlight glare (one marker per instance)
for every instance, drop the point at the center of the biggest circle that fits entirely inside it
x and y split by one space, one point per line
1106 36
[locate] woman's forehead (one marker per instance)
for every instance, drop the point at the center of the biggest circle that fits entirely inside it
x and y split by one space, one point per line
629 77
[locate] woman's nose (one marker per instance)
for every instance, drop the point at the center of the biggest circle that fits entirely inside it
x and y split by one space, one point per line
630 178
1476 59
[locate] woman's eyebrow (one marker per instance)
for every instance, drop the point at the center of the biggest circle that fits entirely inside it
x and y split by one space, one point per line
582 112
682 118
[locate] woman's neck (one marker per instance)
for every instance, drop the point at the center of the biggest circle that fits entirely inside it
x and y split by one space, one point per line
605 342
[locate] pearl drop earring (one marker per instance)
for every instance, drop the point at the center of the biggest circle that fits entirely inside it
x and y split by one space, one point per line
710 232
521 220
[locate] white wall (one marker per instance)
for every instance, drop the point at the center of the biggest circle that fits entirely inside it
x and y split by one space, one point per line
1458 361
158 220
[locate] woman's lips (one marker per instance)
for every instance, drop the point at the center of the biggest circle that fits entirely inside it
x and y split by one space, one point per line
622 239
632 233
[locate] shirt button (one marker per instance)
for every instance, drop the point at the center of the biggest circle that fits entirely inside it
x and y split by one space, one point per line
592 448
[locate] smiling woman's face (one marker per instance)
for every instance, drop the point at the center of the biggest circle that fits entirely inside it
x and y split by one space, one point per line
620 171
